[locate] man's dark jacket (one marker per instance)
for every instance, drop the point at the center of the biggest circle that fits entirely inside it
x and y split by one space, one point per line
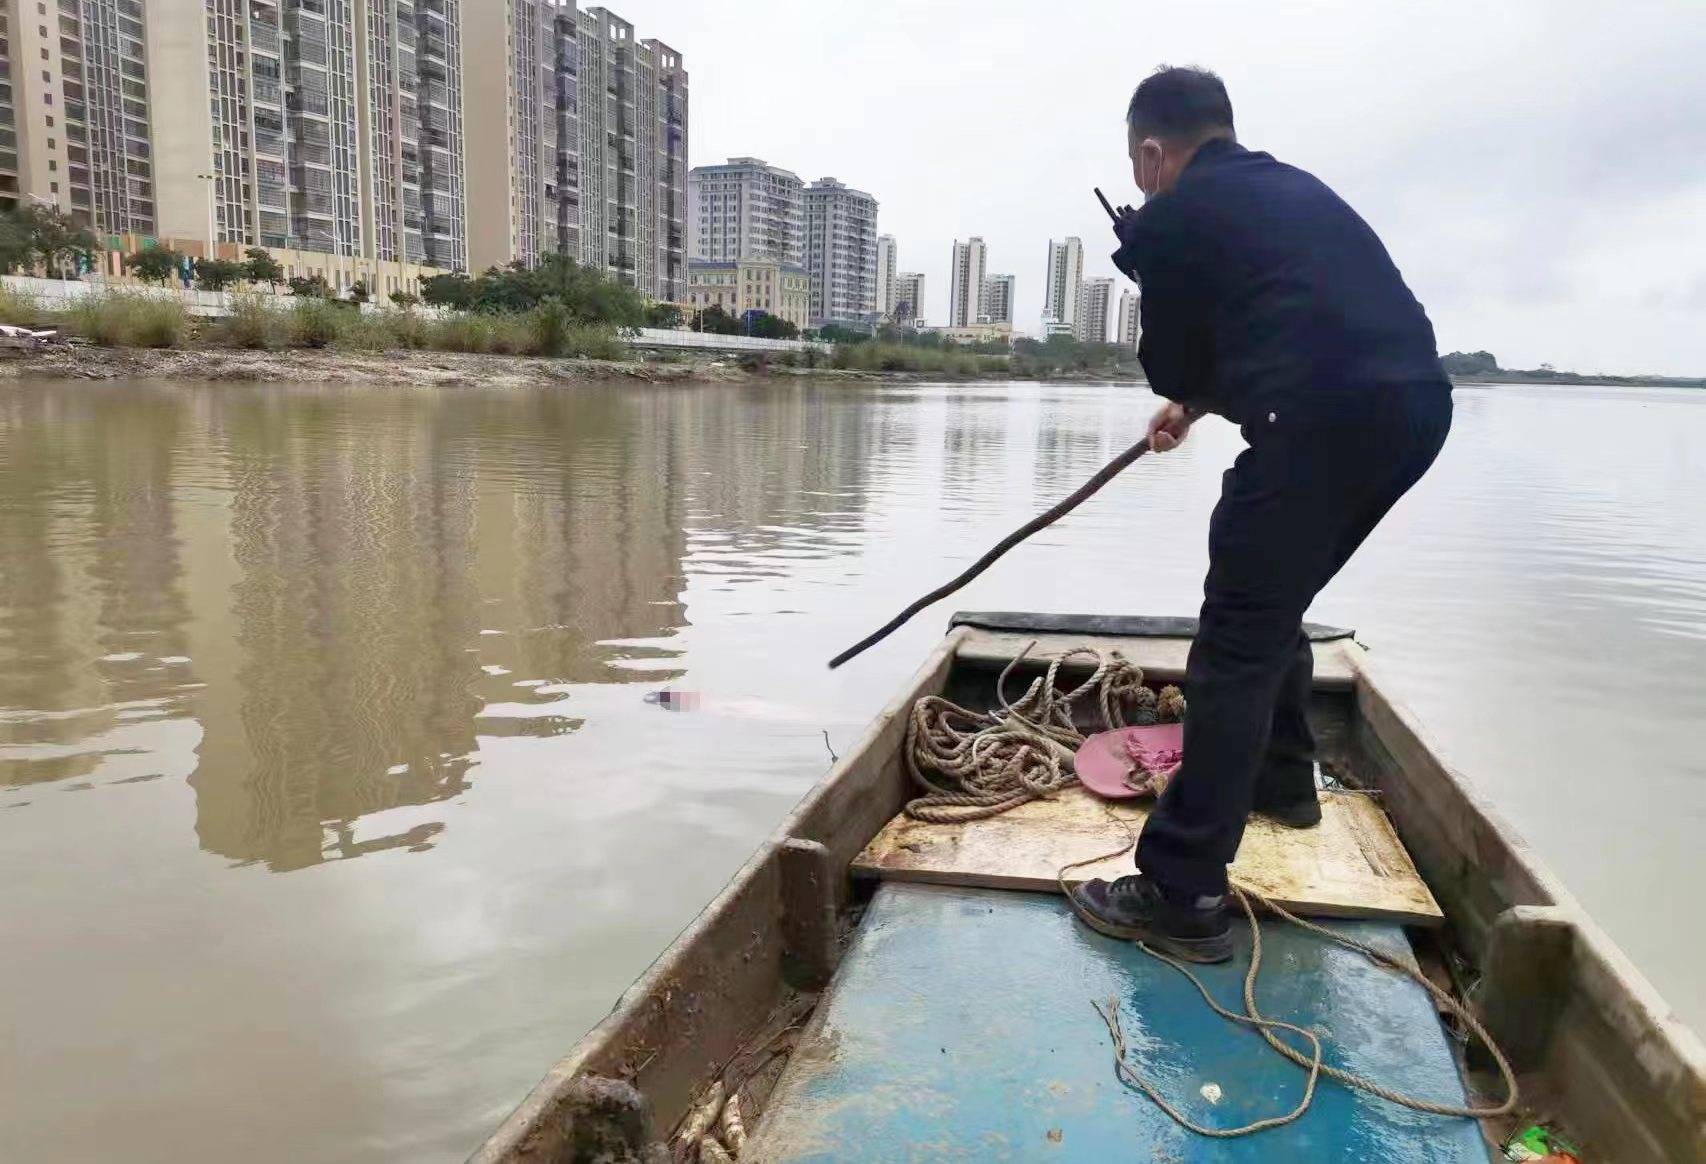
1262 291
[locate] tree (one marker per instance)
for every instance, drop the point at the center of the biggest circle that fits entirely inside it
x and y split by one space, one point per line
836 334
157 265
358 292
452 290
310 287
217 274
404 299
1470 364
261 267
717 321
766 326
666 315
16 243
56 238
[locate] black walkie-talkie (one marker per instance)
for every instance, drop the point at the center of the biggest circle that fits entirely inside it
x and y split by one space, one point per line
1103 199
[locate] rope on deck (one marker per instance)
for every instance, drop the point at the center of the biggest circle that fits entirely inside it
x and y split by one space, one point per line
974 765
1253 1018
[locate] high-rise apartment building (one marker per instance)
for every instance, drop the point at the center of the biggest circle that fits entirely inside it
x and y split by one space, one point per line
509 69
965 282
1130 328
1061 288
328 129
371 140
74 110
746 209
841 253
909 298
1095 297
630 164
997 299
887 257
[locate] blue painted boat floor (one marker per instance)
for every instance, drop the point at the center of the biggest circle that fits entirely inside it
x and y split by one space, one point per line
960 1027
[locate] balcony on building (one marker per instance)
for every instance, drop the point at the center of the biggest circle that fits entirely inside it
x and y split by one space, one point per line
263 37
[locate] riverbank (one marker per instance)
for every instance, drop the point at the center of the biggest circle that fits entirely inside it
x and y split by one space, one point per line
434 369
400 369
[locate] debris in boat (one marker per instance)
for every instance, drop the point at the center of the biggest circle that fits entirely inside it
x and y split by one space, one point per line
734 1129
1055 1135
699 1121
1539 1142
1171 704
1130 762
974 765
1211 1092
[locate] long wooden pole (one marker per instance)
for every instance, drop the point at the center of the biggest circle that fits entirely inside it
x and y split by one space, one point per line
1043 520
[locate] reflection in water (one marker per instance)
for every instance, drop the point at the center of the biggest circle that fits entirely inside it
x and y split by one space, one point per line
421 628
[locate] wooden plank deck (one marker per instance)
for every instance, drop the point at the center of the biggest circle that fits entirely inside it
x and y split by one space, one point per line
1351 865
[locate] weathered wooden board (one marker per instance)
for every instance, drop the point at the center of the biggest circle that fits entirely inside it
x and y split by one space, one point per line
1351 865
1162 658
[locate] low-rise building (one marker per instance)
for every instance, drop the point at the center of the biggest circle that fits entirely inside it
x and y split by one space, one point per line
976 333
779 289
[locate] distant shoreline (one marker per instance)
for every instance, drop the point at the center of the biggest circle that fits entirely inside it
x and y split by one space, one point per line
1577 379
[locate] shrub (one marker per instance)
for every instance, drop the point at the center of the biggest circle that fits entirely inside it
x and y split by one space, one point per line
255 322
315 323
468 331
593 342
362 332
878 356
18 308
130 319
548 327
408 330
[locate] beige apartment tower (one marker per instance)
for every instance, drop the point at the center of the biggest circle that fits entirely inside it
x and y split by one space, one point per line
1129 332
329 131
1095 297
629 99
74 111
328 128
509 69
1062 285
746 208
965 282
841 253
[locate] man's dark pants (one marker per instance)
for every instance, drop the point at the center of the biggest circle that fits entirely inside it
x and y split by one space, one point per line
1316 479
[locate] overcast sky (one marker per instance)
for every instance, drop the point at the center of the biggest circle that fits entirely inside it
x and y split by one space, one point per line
1536 167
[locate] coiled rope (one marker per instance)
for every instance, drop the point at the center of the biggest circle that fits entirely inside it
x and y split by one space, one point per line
973 765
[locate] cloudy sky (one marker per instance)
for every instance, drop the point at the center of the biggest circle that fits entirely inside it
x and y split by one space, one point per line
1536 167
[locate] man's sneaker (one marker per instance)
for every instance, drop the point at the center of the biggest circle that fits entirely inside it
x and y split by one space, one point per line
1135 908
1300 814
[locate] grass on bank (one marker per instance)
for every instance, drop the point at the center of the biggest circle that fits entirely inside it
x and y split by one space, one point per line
878 356
263 323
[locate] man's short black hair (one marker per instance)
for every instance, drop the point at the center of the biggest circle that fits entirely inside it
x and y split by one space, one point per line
1187 104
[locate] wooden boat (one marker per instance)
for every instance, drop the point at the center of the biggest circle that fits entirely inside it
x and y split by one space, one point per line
938 1022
